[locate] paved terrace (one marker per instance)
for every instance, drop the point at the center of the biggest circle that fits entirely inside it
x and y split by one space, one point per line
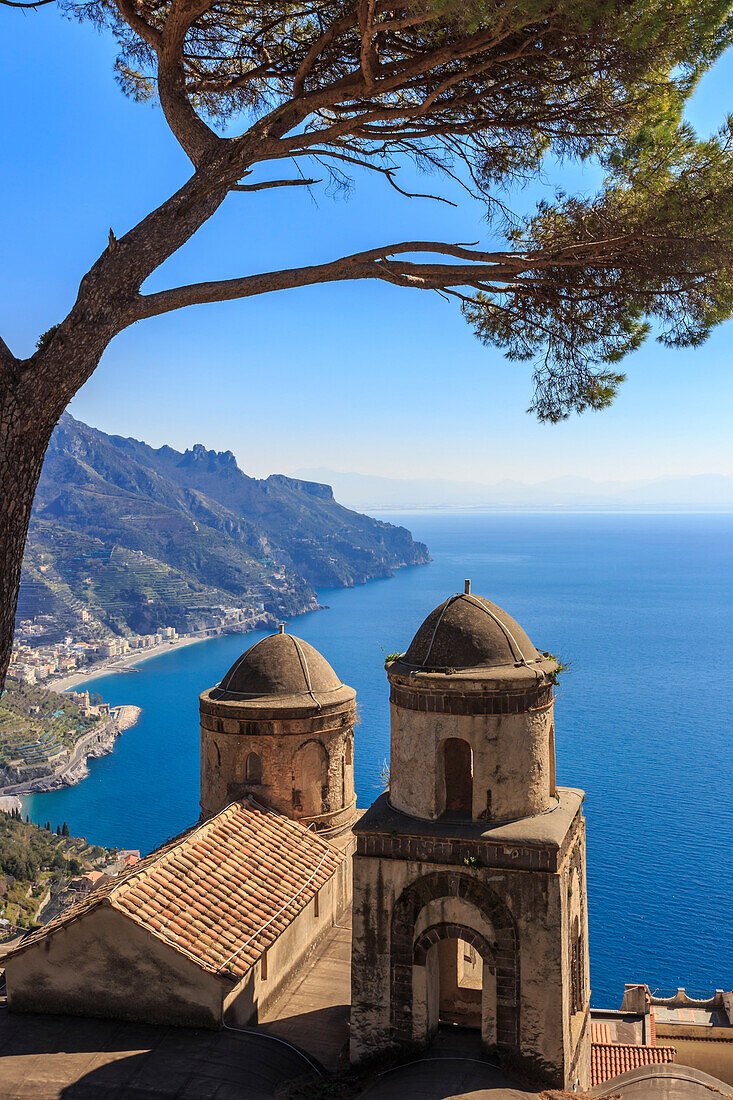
54 1057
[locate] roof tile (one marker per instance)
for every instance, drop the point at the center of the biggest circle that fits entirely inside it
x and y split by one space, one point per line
221 892
609 1060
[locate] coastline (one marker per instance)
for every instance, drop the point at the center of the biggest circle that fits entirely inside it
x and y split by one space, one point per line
121 664
98 742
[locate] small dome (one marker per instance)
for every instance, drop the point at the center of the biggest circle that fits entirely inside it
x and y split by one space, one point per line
278 665
468 631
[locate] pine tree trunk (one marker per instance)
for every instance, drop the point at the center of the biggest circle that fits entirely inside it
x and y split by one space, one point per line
25 430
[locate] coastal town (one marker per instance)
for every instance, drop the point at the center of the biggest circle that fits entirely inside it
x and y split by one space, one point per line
44 653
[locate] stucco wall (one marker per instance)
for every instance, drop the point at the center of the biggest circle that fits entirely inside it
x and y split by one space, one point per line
289 951
512 774
710 1056
105 965
537 905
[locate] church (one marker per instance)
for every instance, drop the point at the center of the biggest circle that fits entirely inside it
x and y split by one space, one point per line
466 876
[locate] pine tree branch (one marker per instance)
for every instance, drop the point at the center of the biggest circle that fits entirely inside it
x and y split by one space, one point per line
498 269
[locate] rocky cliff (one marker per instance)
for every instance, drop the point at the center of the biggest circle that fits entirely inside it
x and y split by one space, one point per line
147 537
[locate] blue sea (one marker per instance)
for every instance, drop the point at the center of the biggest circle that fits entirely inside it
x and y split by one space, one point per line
640 605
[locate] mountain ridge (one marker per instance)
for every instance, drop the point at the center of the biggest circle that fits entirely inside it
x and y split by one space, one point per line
150 537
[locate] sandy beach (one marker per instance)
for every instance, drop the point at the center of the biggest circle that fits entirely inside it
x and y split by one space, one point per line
119 664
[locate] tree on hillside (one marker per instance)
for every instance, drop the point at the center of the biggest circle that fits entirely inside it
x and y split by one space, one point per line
481 91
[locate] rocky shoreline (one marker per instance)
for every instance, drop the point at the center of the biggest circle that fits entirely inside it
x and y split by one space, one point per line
96 743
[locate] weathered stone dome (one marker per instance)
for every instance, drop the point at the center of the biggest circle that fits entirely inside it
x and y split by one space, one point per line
280 664
468 631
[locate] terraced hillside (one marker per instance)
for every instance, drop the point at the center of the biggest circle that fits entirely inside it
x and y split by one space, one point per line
143 537
37 724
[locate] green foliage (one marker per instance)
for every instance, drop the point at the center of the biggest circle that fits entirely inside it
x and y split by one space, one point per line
31 858
489 93
562 666
652 251
389 657
35 722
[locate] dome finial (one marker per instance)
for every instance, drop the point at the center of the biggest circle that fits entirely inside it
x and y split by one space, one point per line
281 628
467 587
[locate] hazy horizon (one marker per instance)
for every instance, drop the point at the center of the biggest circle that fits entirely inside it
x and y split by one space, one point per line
358 490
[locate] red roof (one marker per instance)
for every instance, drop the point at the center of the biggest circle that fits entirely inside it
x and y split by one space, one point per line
221 892
609 1060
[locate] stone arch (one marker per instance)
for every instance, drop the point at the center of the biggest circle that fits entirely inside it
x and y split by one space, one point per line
577 923
433 887
445 931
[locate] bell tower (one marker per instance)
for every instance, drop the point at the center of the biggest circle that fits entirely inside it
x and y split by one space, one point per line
469 873
280 727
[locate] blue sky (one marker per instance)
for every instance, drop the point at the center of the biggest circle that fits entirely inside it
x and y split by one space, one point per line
361 377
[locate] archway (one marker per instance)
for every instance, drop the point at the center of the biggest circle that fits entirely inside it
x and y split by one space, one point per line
454 982
457 778
500 959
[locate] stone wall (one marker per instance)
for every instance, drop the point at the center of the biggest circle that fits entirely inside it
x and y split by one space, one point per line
519 921
103 964
301 764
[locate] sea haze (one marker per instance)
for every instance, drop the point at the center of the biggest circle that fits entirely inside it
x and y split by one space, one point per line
640 604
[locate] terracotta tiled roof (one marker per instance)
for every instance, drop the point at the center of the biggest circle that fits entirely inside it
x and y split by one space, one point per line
600 1033
609 1060
220 892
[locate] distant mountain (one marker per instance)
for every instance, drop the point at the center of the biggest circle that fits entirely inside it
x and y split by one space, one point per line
149 537
709 491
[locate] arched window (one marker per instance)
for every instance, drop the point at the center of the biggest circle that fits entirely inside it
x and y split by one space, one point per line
458 777
253 769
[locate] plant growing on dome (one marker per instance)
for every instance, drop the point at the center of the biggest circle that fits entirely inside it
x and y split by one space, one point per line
562 666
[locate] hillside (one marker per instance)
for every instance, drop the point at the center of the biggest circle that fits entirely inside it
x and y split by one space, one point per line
144 538
36 866
36 724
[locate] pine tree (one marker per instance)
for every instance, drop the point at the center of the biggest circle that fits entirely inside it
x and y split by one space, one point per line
485 95
58 830
65 830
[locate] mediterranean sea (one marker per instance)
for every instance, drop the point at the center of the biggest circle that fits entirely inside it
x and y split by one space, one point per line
642 607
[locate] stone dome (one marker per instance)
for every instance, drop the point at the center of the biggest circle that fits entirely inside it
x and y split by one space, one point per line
466 632
280 664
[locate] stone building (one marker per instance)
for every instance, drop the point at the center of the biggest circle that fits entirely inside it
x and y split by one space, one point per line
208 928
469 873
205 930
280 727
